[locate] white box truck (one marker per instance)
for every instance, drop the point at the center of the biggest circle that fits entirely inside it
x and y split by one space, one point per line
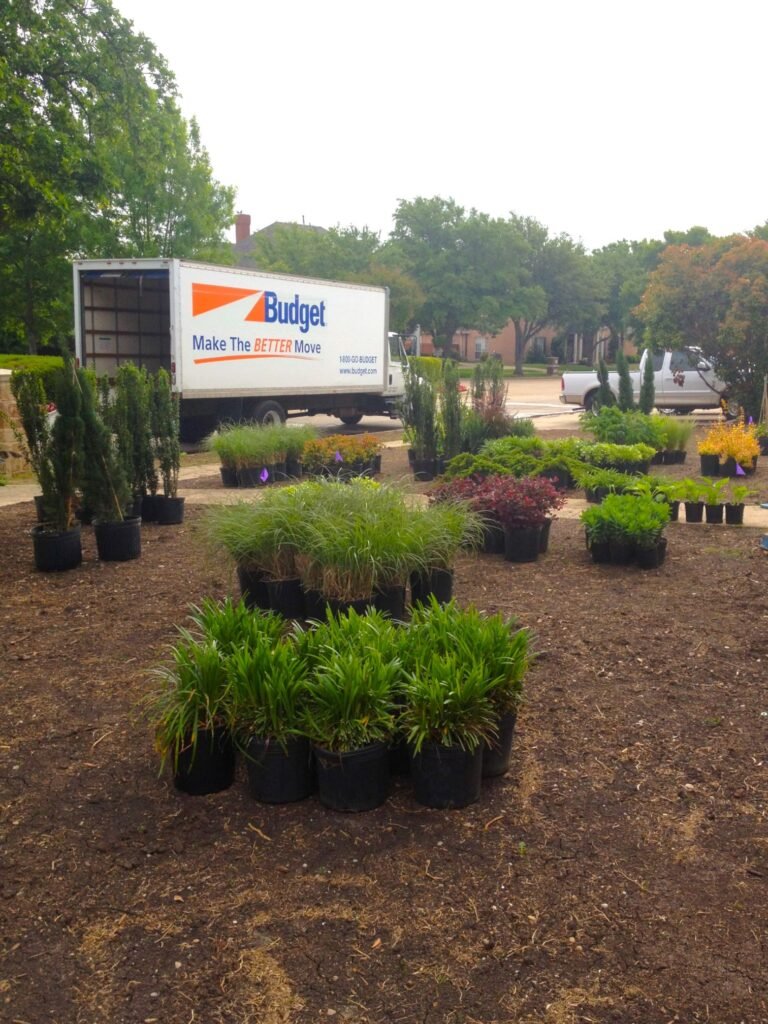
240 344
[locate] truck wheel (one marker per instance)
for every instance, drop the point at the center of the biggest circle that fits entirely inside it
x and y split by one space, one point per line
731 408
589 401
351 420
269 414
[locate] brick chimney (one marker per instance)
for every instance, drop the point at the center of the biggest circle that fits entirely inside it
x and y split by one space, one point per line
242 227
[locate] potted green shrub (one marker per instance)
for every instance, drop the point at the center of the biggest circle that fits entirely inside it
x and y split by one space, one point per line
190 716
523 507
165 431
448 713
419 413
57 460
104 486
130 419
350 712
29 394
267 697
597 533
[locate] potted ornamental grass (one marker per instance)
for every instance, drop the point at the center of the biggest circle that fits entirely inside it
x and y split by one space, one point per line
190 716
165 423
264 539
350 713
447 715
444 529
268 692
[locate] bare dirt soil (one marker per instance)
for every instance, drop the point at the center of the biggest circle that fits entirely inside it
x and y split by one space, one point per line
618 873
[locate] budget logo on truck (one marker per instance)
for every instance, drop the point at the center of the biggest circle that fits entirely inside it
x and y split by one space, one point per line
268 308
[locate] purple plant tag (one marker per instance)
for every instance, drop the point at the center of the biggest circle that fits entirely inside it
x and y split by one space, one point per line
264 475
739 470
338 457
750 421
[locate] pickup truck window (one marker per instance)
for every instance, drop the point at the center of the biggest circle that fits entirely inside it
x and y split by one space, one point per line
683 361
658 361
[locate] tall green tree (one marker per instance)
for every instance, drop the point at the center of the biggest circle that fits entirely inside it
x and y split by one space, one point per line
338 254
626 394
95 158
466 263
715 296
557 285
622 269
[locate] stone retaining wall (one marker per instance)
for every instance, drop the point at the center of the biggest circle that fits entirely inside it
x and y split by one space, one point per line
12 461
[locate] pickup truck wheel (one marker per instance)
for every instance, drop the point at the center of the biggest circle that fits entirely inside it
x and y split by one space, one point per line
351 420
589 401
731 408
269 414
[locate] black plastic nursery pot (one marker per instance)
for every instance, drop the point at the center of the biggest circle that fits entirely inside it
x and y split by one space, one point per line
399 757
497 752
293 469
353 780
39 508
446 777
674 511
253 588
277 774
424 469
734 515
522 543
118 541
544 536
260 476
229 476
437 582
694 511
315 605
709 465
714 513
149 504
622 551
57 552
391 601
653 557
170 511
493 538
600 550
361 605
286 597
209 767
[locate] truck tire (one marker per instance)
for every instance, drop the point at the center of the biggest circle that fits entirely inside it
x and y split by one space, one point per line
269 414
352 420
589 400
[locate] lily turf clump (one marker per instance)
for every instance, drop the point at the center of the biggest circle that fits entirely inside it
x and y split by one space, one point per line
344 683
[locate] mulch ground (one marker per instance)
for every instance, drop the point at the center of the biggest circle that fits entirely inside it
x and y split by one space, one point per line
619 872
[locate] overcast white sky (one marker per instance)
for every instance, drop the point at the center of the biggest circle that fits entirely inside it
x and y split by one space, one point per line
603 119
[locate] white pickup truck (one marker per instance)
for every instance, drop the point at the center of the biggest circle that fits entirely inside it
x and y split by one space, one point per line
683 381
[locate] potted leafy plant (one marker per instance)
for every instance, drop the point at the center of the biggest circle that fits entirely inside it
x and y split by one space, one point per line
690 492
448 713
736 499
190 716
165 430
712 495
350 711
523 507
597 533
